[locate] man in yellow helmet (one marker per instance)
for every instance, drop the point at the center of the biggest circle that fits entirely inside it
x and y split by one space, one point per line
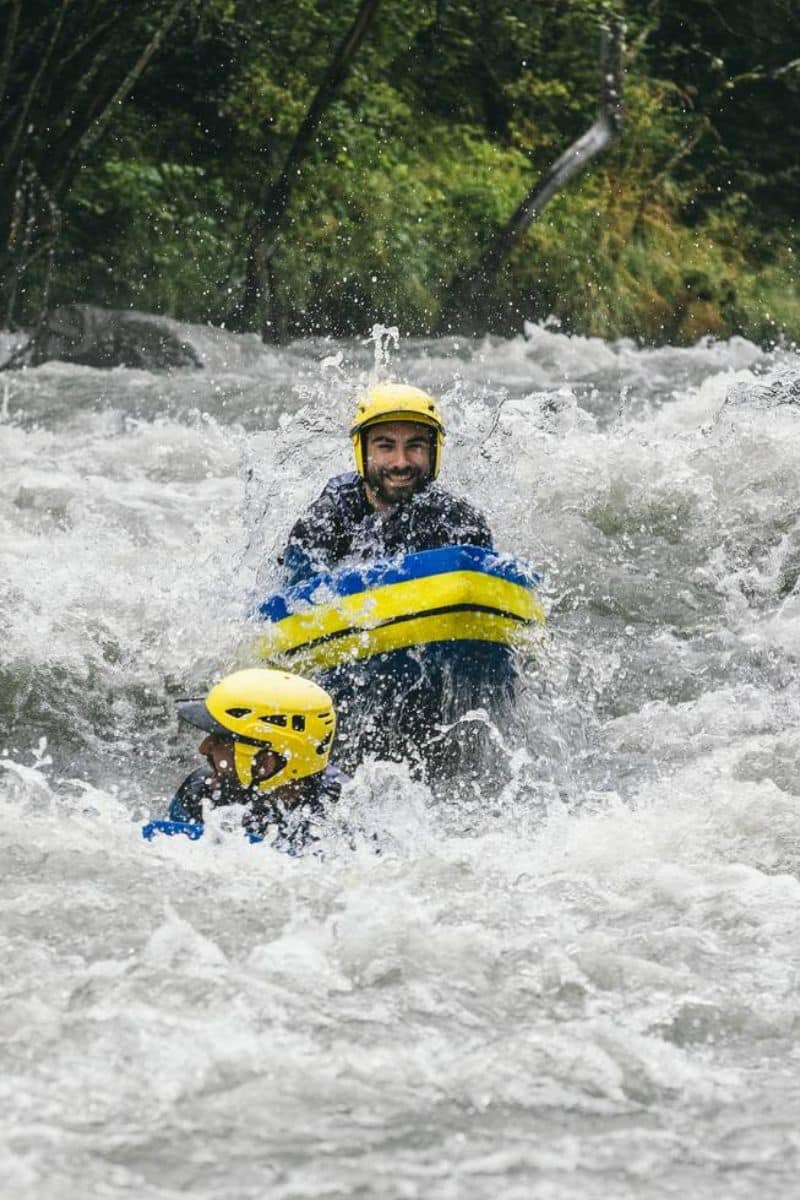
390 504
267 746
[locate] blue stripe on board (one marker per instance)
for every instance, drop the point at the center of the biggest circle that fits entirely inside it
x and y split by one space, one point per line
401 570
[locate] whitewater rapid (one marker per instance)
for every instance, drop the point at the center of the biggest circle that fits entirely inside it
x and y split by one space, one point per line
581 985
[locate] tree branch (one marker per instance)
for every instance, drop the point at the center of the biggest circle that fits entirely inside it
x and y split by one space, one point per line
94 131
8 47
11 156
467 289
275 202
760 75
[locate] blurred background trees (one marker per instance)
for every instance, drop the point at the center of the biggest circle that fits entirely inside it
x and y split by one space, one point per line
140 143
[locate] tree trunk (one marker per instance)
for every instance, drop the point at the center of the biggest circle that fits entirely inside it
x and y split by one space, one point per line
14 151
8 48
469 294
98 126
36 175
259 308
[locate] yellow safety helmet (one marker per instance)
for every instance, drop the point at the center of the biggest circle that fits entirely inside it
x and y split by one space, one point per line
261 709
396 402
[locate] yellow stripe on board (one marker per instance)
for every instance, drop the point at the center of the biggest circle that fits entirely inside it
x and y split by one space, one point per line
375 622
366 610
455 626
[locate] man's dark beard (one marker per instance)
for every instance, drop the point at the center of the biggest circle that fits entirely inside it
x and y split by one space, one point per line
415 480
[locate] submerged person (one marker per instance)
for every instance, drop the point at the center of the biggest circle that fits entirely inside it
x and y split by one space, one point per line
267 746
391 503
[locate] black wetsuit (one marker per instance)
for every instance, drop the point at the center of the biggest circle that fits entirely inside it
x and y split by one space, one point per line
391 705
341 524
293 829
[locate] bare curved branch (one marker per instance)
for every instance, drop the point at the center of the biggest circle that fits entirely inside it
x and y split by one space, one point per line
466 290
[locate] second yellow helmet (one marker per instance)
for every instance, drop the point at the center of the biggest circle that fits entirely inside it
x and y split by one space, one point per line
263 709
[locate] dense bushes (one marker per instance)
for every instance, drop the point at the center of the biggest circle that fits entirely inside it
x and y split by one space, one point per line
686 227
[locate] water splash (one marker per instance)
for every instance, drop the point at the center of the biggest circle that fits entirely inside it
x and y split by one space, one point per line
6 402
384 339
582 982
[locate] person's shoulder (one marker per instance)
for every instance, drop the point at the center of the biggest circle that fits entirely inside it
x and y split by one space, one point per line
346 482
187 803
464 522
319 537
340 491
197 781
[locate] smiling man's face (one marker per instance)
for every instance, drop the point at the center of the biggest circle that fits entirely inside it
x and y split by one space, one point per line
397 462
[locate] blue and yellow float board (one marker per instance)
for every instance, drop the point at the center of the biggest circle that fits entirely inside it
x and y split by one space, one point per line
456 594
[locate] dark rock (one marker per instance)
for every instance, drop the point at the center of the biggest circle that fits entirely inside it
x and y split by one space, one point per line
99 337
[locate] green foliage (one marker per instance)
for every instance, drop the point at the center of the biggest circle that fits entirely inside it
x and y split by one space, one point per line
451 191
451 111
665 282
178 213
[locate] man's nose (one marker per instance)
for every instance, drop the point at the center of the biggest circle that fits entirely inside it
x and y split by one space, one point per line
205 745
400 458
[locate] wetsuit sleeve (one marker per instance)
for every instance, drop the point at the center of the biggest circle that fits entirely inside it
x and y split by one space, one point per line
314 543
298 564
187 803
476 529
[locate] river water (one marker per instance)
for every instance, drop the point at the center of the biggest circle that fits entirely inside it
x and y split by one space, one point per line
581 984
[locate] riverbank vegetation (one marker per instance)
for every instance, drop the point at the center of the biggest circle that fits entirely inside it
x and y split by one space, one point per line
142 145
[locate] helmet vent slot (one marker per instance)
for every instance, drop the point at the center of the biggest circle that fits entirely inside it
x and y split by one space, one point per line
298 724
238 712
274 719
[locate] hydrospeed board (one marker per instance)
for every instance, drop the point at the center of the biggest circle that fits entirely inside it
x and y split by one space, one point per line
458 594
